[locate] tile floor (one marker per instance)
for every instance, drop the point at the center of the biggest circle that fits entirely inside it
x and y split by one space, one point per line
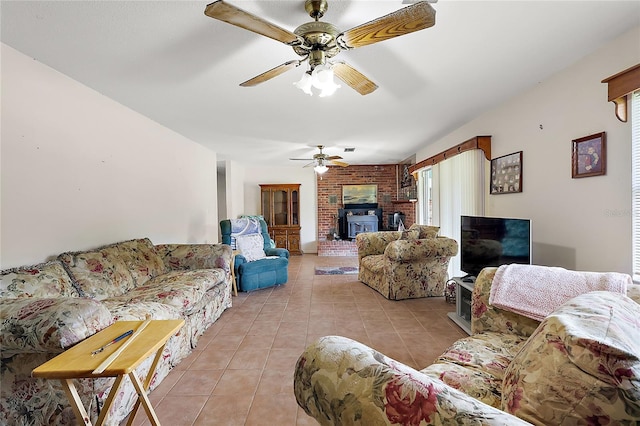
241 373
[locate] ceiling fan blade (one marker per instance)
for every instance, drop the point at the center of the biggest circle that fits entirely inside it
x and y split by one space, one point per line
404 21
353 78
334 157
268 75
235 16
302 159
339 163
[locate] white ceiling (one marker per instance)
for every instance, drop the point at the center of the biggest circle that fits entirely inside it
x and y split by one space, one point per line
173 64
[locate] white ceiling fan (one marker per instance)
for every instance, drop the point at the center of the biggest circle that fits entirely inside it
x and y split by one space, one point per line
321 161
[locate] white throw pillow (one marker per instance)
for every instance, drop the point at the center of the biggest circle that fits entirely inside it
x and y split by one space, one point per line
251 246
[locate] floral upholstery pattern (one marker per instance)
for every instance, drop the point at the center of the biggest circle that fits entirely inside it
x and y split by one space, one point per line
98 274
476 365
44 280
339 381
49 325
485 317
407 268
580 366
586 360
180 257
94 289
425 231
142 260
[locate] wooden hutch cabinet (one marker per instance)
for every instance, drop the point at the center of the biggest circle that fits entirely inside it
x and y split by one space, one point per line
281 210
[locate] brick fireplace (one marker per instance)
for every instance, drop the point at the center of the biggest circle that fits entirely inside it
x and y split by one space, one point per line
329 185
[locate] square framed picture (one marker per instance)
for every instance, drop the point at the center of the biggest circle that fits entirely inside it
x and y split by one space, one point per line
589 156
506 174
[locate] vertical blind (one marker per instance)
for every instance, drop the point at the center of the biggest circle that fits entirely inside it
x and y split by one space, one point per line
635 182
461 192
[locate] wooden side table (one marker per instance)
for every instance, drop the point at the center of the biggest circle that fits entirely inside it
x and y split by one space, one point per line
233 271
77 362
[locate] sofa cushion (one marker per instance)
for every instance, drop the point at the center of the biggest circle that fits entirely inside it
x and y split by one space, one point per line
49 325
180 289
180 257
99 274
425 231
476 365
43 280
409 234
251 246
581 365
124 311
141 259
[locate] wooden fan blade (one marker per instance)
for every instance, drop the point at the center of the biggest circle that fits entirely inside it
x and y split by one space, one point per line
235 16
404 21
339 163
268 75
353 78
302 159
334 157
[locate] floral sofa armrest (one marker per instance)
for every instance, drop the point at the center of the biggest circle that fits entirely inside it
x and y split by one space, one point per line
49 325
195 256
409 250
485 317
339 381
371 243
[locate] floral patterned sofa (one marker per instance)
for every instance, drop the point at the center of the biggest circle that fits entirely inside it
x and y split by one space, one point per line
46 308
579 366
405 264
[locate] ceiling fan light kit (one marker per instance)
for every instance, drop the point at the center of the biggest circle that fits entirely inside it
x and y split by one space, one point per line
317 41
320 160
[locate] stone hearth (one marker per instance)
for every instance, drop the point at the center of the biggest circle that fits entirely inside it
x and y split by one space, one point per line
337 248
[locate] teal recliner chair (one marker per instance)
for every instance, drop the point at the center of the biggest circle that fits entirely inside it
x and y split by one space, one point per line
262 273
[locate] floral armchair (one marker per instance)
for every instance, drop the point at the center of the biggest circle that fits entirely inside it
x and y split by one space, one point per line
405 264
579 366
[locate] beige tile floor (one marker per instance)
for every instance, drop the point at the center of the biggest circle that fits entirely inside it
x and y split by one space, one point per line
241 373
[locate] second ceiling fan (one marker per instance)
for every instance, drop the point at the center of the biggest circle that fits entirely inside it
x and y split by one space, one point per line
319 41
320 161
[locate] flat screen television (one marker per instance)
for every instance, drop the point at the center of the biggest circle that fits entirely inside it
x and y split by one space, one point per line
493 241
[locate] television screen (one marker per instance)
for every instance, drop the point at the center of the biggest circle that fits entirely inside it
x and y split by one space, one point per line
492 241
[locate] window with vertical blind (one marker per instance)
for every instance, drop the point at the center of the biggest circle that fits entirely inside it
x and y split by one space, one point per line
452 188
635 182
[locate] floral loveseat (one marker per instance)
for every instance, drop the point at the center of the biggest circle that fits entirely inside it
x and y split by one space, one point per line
405 264
579 366
46 308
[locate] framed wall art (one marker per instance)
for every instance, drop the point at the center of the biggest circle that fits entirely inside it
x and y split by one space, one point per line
506 174
589 155
359 194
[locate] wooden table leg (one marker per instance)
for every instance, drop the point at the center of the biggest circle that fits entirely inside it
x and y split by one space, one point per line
144 399
141 389
76 402
233 272
109 401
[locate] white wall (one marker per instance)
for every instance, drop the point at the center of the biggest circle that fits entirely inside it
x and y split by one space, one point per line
80 170
585 223
306 177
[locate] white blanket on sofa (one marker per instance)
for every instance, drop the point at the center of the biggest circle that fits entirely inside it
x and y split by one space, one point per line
536 291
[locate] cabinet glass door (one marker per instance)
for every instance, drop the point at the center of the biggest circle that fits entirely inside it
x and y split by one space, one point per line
266 207
280 208
295 209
